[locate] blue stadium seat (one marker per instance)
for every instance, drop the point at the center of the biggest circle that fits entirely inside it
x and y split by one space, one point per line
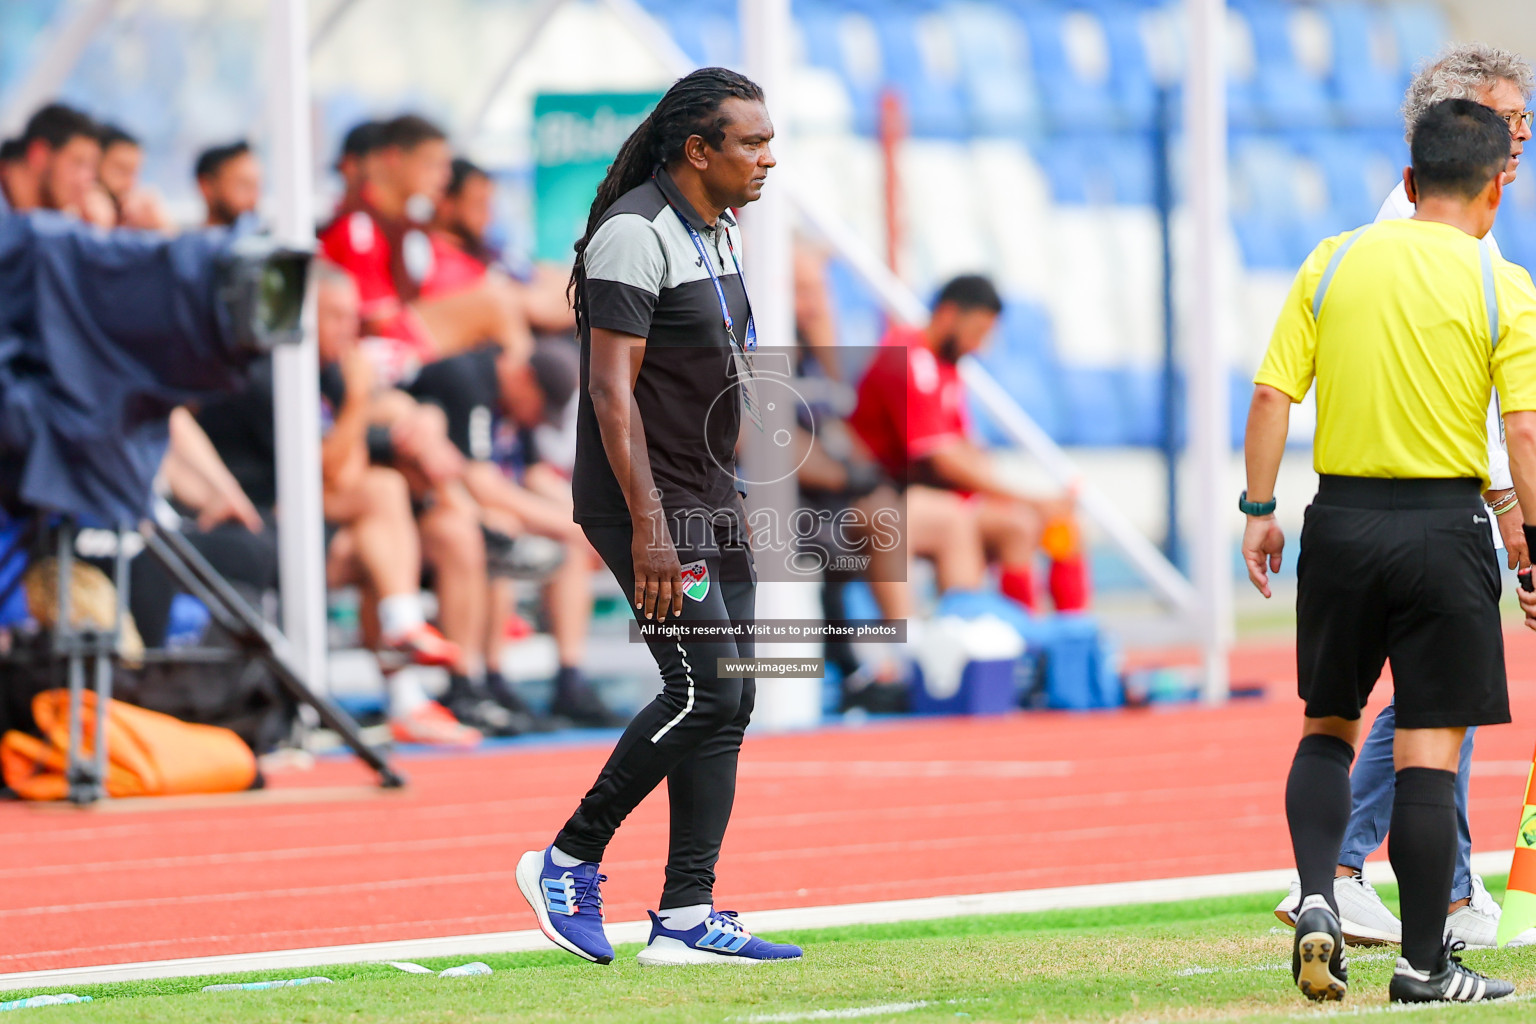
1141 398
1022 358
1130 162
1360 172
1516 226
1070 166
1367 81
860 320
818 27
999 92
930 93
1421 34
1516 234
1288 96
1095 414
1088 168
821 24
1072 101
1389 141
1262 175
1262 240
1240 397
706 31
1132 89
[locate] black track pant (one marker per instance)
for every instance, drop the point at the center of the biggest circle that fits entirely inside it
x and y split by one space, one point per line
689 735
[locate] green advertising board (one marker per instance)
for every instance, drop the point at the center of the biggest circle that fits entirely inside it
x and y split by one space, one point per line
575 138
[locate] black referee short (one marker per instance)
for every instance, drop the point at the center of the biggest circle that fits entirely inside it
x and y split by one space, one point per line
1400 569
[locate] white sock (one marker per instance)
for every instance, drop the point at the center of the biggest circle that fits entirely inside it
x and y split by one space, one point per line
405 693
400 614
563 859
680 919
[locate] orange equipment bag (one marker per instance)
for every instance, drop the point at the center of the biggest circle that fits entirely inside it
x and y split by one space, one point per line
148 754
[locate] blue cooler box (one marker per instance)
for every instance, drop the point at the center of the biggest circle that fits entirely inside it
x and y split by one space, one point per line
1068 664
1078 665
986 688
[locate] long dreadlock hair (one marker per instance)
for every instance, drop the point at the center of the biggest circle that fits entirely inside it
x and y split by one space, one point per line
691 107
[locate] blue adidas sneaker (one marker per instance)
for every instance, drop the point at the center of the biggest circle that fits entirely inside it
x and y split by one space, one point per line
567 902
721 939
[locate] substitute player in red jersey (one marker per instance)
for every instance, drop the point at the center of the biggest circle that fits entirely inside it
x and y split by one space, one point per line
911 415
381 236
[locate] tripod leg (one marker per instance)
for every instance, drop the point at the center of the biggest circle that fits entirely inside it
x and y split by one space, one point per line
192 570
67 642
107 656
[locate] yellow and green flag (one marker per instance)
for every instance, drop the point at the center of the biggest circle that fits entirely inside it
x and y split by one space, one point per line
1520 899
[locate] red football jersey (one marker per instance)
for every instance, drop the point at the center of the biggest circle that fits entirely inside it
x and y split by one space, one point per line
910 404
390 264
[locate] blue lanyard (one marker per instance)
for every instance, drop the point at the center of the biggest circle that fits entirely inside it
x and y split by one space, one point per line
714 279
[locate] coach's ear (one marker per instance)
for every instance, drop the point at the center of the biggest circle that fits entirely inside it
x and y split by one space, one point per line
1409 187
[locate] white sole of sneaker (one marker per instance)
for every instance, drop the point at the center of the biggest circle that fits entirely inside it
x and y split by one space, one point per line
529 867
1354 934
668 952
1316 981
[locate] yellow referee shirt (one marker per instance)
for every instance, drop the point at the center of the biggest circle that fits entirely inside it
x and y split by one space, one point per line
1399 342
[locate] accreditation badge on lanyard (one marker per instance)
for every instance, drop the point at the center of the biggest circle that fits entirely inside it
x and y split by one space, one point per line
741 353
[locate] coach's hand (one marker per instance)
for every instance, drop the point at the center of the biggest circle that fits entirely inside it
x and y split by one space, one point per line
1527 605
1511 528
1263 541
658 573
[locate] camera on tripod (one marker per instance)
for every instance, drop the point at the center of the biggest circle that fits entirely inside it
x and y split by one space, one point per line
261 286
102 336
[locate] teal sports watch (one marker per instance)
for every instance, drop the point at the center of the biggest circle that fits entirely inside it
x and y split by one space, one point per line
1255 508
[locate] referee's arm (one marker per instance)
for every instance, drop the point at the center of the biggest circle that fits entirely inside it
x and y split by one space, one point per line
1269 420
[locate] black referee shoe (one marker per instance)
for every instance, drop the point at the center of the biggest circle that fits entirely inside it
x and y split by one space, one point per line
1451 983
1317 959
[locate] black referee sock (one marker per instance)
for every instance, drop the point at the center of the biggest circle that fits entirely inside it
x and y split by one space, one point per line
1317 803
1422 848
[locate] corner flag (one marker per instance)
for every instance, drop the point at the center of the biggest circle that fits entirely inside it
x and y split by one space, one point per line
1520 899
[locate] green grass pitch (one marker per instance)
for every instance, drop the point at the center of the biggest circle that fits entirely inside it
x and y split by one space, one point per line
1211 960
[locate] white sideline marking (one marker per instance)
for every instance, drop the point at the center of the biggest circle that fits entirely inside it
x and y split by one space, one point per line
1070 897
844 1014
911 769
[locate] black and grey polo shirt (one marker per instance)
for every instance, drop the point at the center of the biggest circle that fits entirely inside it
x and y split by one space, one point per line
645 277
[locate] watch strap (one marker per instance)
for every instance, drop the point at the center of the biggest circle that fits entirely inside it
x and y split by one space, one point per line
1255 508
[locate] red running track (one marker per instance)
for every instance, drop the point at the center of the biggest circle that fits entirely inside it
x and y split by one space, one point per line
890 811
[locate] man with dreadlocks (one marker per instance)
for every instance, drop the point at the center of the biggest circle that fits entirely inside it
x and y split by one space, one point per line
666 342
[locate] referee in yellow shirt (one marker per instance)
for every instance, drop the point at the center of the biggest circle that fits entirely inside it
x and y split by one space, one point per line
1404 325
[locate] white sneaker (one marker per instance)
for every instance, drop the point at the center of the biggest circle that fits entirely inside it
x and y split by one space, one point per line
1366 921
1477 923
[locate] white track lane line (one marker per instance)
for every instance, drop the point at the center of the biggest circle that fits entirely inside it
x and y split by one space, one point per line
1072 897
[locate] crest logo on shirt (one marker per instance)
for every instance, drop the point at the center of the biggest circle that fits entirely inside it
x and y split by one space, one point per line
360 232
696 580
